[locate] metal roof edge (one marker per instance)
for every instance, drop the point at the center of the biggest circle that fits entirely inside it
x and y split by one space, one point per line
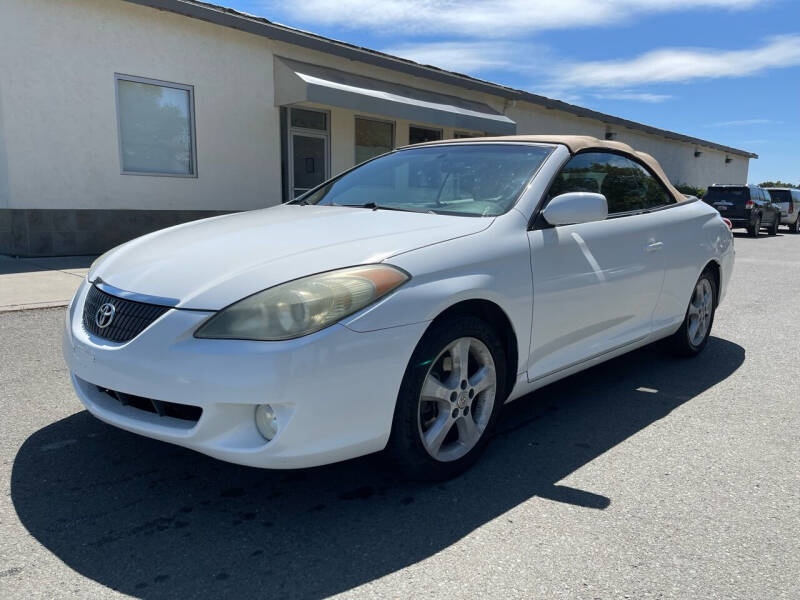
228 17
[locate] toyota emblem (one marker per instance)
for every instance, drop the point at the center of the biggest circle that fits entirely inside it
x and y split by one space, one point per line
104 315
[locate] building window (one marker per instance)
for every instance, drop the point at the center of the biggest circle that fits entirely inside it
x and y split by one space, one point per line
418 135
156 127
309 119
458 135
373 138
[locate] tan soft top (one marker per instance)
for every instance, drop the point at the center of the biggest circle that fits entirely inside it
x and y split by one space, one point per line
577 143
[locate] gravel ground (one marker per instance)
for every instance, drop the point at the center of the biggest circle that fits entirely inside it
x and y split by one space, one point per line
646 477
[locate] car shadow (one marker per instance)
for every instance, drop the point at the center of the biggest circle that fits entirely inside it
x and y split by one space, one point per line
762 234
155 521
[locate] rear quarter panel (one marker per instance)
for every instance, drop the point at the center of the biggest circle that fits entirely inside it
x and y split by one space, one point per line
694 234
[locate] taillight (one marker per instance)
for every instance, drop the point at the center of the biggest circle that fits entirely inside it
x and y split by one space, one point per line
791 207
728 223
748 204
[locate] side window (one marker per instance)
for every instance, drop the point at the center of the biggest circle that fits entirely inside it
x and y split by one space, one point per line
626 184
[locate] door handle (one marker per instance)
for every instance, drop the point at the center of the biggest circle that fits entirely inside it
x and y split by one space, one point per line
653 246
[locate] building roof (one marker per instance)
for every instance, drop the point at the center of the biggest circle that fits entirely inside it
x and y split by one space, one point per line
234 19
576 143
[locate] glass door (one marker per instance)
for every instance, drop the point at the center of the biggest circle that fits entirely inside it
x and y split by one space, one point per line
309 155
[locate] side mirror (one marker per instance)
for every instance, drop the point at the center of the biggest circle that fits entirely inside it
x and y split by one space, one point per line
576 207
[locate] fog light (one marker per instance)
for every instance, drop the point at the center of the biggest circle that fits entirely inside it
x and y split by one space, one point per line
266 421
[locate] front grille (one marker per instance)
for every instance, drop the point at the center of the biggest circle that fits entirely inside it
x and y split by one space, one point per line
161 408
129 319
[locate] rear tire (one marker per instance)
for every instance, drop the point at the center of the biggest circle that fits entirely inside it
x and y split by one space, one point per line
755 228
441 426
795 227
695 330
773 230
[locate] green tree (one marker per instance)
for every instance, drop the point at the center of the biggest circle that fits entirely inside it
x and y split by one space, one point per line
685 188
778 184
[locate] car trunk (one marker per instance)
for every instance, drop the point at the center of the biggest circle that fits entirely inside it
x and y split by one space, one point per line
732 202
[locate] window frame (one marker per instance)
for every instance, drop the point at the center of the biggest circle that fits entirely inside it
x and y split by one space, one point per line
377 120
536 222
192 127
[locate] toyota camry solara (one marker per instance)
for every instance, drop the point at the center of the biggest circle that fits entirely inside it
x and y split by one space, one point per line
398 305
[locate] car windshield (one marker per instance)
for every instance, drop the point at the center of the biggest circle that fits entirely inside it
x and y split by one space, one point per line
479 180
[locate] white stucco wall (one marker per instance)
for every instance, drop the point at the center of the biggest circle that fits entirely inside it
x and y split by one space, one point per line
58 121
57 65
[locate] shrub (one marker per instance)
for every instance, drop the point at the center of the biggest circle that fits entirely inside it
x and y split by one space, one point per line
685 188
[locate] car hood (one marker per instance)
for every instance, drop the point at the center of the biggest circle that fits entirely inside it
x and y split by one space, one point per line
212 263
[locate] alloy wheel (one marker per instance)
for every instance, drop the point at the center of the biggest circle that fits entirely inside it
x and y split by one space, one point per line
701 309
457 399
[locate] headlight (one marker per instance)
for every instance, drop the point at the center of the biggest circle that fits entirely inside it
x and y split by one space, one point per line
303 306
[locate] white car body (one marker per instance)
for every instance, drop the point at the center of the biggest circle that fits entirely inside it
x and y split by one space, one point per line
574 295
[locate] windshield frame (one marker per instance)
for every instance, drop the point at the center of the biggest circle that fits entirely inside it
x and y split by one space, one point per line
550 147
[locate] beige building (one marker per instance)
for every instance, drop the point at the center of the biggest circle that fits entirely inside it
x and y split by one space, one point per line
118 117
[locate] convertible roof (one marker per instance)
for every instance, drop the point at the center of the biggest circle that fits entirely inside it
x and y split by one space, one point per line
577 143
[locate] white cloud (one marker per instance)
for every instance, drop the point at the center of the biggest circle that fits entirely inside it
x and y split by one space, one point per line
682 64
471 57
487 18
745 122
635 97
476 56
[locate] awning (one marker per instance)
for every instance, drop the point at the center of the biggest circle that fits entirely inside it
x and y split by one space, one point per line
302 82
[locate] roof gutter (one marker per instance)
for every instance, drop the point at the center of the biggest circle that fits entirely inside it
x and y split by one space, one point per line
227 17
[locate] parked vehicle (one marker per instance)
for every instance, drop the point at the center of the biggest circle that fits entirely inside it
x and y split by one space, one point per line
398 305
747 206
788 200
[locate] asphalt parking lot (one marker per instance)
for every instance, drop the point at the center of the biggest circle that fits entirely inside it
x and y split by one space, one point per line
646 477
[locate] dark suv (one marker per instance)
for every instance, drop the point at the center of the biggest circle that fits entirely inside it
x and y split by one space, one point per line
746 206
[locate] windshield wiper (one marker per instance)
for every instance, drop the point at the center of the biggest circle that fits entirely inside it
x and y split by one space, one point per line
376 206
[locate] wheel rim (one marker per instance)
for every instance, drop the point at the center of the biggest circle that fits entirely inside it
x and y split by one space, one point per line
700 310
457 399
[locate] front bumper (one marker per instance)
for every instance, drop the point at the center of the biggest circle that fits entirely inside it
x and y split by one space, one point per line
334 391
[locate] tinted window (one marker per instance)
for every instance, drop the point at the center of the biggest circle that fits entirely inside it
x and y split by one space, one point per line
463 179
626 184
419 135
373 138
727 193
780 195
309 119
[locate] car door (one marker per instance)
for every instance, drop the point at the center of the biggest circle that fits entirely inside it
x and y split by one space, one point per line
595 285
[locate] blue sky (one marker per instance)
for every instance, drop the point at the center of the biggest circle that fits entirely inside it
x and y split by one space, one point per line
722 70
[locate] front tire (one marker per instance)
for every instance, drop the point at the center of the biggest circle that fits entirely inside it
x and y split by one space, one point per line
451 394
693 335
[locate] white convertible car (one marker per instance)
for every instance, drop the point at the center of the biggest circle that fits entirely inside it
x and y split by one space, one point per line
398 305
